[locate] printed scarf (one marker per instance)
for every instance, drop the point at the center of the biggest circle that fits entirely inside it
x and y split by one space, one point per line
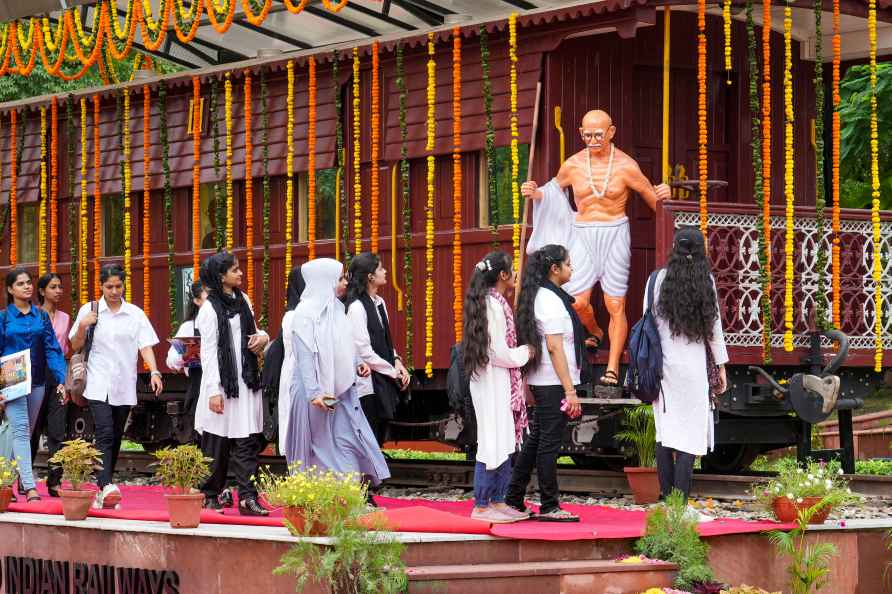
518 402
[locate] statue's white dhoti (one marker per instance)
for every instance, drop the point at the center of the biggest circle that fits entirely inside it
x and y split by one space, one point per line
599 251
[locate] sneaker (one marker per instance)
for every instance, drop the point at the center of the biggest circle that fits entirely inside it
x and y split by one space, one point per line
212 502
225 498
251 507
111 496
511 512
491 515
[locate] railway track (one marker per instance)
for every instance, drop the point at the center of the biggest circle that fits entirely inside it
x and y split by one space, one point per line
460 474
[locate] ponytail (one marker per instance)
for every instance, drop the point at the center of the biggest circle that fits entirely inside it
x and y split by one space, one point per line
534 275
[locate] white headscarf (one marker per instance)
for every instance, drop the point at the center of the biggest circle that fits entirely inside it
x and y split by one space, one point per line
321 324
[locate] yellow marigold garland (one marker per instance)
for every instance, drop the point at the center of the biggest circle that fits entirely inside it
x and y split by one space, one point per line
83 255
357 177
429 210
311 163
788 177
41 226
457 285
196 175
766 148
13 187
146 199
875 188
289 170
515 139
54 183
249 188
835 258
374 191
726 26
702 131
127 181
227 114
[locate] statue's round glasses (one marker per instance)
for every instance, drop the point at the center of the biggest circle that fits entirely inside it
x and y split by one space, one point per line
596 135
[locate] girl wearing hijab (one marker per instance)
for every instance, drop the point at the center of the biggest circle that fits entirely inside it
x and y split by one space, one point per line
328 428
492 360
367 313
229 413
286 374
690 328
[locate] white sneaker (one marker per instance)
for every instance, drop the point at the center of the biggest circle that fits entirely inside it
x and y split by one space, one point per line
110 497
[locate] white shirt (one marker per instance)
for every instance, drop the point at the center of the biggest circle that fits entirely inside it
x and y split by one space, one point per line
286 374
363 343
242 416
117 340
552 318
174 358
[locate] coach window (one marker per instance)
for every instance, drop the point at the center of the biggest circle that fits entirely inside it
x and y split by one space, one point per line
207 205
325 204
495 198
27 239
113 225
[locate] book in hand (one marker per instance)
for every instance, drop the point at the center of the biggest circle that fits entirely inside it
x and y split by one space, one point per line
15 375
189 347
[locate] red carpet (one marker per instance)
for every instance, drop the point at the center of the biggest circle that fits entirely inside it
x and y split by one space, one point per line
416 515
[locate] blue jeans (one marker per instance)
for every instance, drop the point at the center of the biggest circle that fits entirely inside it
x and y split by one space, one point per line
490 486
22 412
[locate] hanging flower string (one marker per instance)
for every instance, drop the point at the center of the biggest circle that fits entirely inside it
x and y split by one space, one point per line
311 162
490 145
357 177
196 176
249 188
41 226
97 197
168 206
766 163
84 295
227 115
407 209
289 170
788 177
821 305
835 257
73 208
457 285
726 27
374 182
702 132
515 140
146 199
877 267
127 187
429 210
13 187
264 135
54 183
219 202
342 214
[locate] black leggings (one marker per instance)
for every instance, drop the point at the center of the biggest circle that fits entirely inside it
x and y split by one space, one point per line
675 470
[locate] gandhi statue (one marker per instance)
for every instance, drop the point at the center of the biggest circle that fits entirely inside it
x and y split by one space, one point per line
597 234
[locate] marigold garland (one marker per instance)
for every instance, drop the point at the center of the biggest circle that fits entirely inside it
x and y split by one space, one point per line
249 188
54 183
407 210
97 197
289 171
146 199
196 175
877 268
766 154
227 115
726 27
73 208
84 209
13 188
835 266
376 147
515 140
219 202
127 188
490 146
172 281
788 177
342 221
264 126
41 225
457 285
311 161
702 131
357 174
429 209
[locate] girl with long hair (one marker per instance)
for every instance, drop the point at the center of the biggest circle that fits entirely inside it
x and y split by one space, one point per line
546 319
24 326
229 414
177 352
687 316
379 393
492 359
54 412
295 289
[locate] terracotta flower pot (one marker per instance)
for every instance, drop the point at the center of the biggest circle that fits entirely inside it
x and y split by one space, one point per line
295 515
184 509
787 510
76 503
5 498
644 484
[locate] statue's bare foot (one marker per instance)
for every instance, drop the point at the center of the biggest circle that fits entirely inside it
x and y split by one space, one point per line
609 379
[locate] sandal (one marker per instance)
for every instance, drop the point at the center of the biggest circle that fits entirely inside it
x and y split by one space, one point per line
609 379
556 515
32 495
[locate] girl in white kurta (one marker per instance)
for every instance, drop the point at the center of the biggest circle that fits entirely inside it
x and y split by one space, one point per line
492 362
688 321
229 414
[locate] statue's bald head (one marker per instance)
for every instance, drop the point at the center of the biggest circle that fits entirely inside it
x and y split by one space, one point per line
597 131
597 118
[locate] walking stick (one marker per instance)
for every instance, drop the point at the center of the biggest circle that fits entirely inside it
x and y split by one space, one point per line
523 229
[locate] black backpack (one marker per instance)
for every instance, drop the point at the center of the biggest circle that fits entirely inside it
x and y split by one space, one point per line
645 373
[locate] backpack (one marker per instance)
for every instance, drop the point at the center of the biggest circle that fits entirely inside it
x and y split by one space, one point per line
645 373
458 389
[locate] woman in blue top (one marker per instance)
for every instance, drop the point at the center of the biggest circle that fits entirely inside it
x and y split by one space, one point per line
25 326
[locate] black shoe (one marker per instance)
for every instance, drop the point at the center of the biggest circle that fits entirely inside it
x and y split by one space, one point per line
53 490
225 498
212 503
251 507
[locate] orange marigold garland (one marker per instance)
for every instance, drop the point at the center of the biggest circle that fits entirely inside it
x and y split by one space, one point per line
97 196
249 188
146 199
311 166
429 210
41 225
702 131
54 183
457 285
13 187
357 177
835 258
376 147
196 176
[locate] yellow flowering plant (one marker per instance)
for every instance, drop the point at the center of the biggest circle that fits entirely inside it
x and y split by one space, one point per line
9 470
324 496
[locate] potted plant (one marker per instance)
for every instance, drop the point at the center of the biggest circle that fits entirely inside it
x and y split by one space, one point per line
9 469
641 432
78 460
796 488
182 469
313 500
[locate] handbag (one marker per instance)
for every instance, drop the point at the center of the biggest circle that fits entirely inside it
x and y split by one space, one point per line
76 380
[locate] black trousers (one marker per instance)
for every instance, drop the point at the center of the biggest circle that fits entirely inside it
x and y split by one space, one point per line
675 470
371 410
240 454
109 422
53 422
540 450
